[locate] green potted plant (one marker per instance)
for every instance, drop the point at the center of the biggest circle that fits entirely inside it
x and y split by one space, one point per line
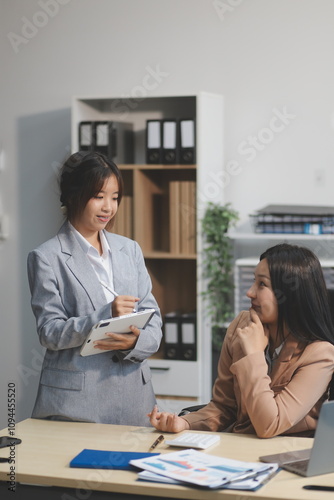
218 268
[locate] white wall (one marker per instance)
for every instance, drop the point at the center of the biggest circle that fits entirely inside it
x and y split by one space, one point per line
266 56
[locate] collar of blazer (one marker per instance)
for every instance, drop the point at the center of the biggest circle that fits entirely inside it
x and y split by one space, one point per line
77 263
291 351
292 348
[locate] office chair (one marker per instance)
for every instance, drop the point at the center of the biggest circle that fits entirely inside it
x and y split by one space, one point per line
190 409
331 389
331 306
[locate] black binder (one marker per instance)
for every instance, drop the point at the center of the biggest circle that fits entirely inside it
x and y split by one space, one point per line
153 141
169 141
86 141
172 335
187 141
114 140
188 337
104 136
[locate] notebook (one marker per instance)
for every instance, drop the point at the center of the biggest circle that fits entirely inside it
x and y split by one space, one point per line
100 459
317 460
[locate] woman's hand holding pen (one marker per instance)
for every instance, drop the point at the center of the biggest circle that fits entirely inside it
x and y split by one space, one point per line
167 422
123 304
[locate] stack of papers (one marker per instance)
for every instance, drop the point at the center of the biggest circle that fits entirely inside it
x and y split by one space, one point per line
196 468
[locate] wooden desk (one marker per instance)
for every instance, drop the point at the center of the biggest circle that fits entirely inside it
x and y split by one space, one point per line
47 447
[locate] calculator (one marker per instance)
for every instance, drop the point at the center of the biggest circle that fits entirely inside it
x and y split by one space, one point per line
194 440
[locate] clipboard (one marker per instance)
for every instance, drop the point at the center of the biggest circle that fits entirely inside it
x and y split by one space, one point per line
121 324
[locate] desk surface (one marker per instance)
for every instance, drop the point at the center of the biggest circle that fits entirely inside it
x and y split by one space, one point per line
47 447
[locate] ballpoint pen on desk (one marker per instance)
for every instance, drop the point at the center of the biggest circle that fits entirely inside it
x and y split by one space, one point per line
318 487
250 474
156 442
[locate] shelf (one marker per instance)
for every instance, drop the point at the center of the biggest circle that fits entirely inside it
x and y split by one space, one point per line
169 379
159 166
279 236
169 255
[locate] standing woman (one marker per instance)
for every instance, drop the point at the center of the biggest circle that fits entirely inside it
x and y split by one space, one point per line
83 275
277 359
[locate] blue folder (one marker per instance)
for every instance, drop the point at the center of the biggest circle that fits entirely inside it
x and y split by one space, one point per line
99 459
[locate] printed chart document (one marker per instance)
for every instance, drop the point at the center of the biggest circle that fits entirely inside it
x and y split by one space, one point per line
197 468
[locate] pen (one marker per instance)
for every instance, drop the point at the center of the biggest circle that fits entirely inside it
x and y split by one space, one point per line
112 291
156 442
248 474
318 487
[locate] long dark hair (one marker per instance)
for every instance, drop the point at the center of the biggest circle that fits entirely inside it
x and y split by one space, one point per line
81 177
299 286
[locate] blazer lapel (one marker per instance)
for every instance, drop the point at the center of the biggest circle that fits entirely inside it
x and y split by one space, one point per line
288 356
80 266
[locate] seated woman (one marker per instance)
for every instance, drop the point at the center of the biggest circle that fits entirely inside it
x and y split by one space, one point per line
277 359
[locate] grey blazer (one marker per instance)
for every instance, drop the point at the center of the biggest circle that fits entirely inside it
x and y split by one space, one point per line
67 300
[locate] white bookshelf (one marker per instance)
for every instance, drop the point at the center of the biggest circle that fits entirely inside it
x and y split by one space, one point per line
177 280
